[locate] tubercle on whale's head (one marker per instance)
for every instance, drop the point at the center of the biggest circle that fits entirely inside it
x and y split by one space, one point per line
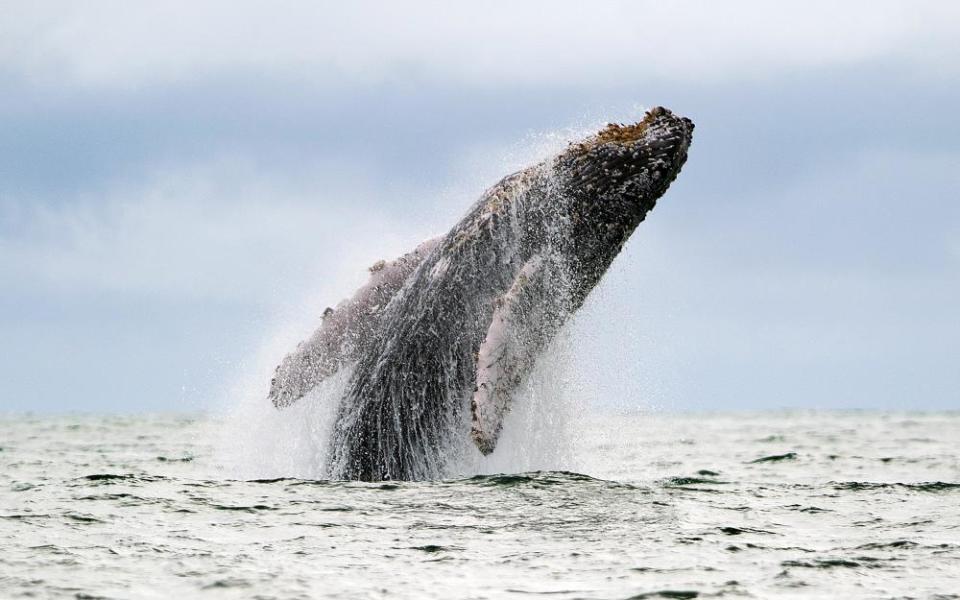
609 182
619 172
606 185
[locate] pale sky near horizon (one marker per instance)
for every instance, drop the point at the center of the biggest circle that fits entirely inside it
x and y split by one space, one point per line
184 187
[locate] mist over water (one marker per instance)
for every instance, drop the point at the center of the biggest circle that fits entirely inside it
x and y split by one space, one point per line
254 440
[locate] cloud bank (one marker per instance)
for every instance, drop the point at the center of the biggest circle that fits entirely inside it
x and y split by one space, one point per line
121 44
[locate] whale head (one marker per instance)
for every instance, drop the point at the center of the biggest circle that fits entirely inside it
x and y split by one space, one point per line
611 180
625 168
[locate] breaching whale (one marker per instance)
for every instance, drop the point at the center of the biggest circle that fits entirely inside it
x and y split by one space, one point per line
436 343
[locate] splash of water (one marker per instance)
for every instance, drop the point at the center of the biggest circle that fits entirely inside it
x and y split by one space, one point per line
261 442
258 441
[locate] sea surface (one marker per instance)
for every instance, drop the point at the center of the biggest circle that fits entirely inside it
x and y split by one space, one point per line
753 505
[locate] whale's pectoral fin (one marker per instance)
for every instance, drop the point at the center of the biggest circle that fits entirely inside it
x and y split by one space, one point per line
524 321
346 330
314 360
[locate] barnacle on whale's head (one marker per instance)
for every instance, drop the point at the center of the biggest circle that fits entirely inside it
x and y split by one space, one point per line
629 163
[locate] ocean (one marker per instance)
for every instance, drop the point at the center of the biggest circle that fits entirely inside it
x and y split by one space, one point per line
643 505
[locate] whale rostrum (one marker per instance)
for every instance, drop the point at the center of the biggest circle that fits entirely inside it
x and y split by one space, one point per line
438 341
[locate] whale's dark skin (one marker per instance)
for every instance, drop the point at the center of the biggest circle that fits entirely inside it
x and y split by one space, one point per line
441 338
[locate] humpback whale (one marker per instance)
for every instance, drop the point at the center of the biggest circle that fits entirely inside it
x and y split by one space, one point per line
434 346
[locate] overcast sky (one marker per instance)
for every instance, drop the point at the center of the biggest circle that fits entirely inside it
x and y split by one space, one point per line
185 186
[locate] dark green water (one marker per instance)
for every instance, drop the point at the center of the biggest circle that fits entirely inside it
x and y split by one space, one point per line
804 505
